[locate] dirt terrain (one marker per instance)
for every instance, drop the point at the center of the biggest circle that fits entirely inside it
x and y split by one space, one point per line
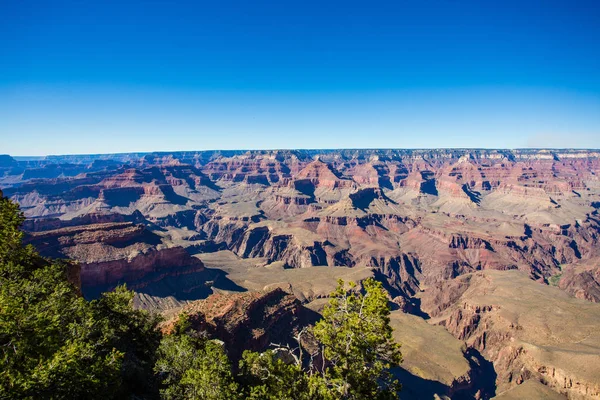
491 257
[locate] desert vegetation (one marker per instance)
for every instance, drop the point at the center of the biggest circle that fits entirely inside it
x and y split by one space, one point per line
54 344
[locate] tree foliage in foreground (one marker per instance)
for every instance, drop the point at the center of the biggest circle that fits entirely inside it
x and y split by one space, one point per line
56 345
355 353
356 336
190 366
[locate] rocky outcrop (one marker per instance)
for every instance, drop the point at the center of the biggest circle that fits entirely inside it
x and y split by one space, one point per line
113 253
262 241
582 279
49 224
248 169
519 325
247 321
452 211
433 225
169 261
285 203
322 175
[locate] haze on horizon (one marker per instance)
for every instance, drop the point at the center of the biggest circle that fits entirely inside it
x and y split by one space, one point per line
82 77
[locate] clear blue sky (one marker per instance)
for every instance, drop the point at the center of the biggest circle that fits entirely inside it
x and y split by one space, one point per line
92 76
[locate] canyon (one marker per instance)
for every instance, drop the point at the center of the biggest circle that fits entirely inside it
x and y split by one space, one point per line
491 258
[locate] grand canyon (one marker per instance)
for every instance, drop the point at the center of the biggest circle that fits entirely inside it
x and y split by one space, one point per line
490 258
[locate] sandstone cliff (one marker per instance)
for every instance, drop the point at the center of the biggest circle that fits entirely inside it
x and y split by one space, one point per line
247 321
529 331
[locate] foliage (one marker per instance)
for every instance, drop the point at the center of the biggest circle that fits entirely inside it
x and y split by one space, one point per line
266 376
356 336
356 353
50 344
56 345
554 279
16 261
192 367
135 334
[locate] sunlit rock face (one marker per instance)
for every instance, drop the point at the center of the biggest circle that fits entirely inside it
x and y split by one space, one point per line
419 216
437 227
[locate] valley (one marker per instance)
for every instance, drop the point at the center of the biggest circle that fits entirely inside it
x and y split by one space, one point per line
491 258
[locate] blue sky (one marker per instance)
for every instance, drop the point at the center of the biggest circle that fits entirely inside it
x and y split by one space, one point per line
116 76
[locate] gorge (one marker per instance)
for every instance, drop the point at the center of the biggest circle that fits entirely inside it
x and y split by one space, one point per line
491 258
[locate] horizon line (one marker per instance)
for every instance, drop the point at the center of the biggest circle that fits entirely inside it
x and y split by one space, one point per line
306 149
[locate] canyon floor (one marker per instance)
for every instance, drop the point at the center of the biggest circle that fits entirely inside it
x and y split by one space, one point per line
491 257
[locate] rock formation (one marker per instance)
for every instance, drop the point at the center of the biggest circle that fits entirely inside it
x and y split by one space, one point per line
433 225
247 321
530 331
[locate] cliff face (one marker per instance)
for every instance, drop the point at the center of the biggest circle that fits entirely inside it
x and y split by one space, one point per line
419 216
442 229
247 321
168 261
529 331
113 253
582 279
